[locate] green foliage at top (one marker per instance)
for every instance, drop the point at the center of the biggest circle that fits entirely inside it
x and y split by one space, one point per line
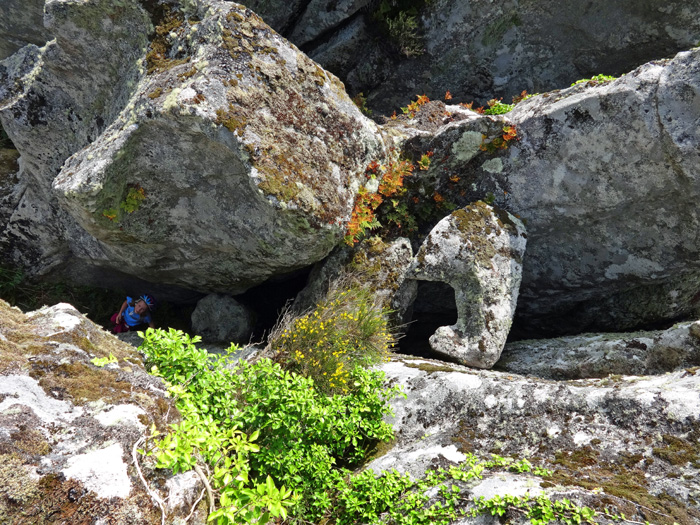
348 328
496 107
403 29
256 426
360 101
597 79
134 197
400 20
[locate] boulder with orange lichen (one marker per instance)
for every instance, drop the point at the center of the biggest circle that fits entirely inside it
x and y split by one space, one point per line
68 426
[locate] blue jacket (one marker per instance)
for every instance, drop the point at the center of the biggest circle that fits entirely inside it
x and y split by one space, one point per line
131 318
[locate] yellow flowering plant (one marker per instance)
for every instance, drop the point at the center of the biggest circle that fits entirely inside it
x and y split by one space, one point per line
348 328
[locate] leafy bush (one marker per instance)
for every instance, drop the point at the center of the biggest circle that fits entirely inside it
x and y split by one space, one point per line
348 329
258 425
254 426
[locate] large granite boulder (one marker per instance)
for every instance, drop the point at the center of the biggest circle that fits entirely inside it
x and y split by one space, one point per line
55 100
625 444
75 403
217 159
478 250
476 49
605 176
220 318
21 23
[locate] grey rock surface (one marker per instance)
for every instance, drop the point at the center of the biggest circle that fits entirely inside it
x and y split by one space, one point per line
599 355
220 318
21 23
68 427
478 250
321 17
608 442
480 50
55 100
244 158
605 177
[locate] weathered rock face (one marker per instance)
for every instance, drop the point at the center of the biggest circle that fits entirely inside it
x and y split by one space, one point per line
480 50
68 427
55 100
478 250
225 157
599 355
624 443
220 318
236 159
21 23
606 179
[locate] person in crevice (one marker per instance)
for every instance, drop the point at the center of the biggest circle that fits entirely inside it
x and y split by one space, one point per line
134 314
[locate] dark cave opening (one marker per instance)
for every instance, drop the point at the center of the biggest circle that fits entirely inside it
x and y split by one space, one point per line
269 299
434 307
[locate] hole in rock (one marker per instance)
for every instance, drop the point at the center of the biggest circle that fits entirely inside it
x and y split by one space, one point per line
434 307
268 299
9 158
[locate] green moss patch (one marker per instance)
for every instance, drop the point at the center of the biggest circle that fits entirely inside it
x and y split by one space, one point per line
157 59
678 451
624 485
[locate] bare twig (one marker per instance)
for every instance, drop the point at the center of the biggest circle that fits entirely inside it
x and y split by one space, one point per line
194 507
205 481
153 495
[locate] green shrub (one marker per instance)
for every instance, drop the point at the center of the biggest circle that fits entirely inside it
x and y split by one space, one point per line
347 329
255 426
259 425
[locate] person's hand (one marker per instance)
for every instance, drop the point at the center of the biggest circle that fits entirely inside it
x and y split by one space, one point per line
119 318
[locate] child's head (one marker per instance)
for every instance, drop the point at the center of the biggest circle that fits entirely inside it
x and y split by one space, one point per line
144 304
140 307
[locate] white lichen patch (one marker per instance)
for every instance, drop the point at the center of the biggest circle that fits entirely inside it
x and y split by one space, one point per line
121 415
467 147
60 318
23 391
418 459
102 471
633 266
171 101
493 165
